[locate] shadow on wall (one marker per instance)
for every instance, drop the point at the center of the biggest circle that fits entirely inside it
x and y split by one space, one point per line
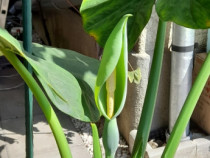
65 31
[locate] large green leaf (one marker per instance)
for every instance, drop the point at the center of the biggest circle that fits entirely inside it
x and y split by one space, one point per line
82 67
189 13
114 57
61 86
101 16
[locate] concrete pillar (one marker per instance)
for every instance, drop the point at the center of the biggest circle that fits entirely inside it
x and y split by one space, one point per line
129 118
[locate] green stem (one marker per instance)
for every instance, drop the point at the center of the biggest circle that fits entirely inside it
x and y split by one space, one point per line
110 137
27 44
110 156
44 104
187 109
151 94
96 142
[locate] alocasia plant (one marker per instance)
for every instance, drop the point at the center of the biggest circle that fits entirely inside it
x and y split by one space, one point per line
69 98
99 18
73 93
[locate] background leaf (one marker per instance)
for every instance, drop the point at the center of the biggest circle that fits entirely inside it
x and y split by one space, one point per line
82 67
60 85
101 16
189 13
134 76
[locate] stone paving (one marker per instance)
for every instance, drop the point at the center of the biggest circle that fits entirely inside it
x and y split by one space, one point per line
12 127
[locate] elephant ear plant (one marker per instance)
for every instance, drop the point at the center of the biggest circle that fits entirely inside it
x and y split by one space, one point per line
85 88
100 17
69 98
74 95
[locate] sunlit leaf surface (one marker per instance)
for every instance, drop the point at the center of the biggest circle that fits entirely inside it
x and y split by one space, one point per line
73 96
189 13
101 16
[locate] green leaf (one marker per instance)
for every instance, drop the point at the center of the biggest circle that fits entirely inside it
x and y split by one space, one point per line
101 16
82 67
189 13
114 57
96 142
134 76
60 85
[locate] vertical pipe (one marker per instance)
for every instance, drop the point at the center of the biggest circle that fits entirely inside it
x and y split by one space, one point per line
181 72
208 41
27 44
187 109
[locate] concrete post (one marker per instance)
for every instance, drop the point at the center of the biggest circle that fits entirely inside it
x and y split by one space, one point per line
129 118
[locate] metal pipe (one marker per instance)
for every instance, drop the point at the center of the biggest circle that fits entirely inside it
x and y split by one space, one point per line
27 44
208 41
181 72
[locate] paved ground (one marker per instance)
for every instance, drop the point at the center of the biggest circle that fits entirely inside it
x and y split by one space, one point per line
12 130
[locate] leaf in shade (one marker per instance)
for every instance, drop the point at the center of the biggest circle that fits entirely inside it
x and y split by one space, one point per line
101 16
189 13
61 86
82 67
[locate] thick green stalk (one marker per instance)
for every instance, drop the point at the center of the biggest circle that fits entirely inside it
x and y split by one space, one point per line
151 94
44 104
187 109
110 137
96 142
27 44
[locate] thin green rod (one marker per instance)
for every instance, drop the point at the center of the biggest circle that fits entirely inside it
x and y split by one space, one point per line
96 143
151 94
187 109
27 44
43 103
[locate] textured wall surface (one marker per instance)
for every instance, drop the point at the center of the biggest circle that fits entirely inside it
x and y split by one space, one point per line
65 31
129 117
